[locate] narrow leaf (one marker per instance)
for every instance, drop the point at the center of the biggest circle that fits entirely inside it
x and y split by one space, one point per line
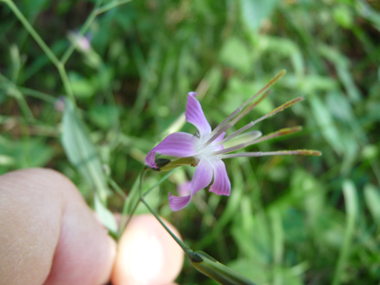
107 218
81 152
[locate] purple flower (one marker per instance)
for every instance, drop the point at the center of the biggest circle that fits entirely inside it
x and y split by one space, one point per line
184 188
206 151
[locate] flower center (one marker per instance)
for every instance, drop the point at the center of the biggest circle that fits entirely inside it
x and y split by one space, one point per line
204 150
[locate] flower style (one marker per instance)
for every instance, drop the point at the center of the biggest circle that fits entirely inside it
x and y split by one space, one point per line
205 149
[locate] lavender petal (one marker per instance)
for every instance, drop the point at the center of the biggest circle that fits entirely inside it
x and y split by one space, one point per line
176 144
222 184
178 203
194 115
202 176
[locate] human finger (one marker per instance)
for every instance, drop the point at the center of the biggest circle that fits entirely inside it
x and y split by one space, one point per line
48 233
147 254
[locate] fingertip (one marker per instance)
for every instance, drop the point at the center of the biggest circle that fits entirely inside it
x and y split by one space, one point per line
147 254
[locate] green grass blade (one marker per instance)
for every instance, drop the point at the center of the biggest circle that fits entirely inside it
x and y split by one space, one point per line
351 202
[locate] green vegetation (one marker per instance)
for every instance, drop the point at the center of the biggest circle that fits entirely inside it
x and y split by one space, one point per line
290 219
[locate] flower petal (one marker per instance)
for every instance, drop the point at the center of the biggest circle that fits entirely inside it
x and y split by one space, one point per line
184 189
176 144
218 139
178 203
194 115
222 184
202 176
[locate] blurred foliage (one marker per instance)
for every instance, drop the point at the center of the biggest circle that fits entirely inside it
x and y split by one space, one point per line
289 220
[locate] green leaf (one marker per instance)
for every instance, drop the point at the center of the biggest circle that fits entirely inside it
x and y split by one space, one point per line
81 152
107 218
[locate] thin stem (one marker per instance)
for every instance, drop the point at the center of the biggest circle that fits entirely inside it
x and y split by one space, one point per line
66 82
117 188
111 5
32 32
184 247
124 223
37 94
158 183
44 47
24 106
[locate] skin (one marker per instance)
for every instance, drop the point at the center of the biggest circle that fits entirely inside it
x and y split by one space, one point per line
48 234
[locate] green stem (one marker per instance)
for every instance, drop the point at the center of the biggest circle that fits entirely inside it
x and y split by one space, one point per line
141 196
32 32
44 47
117 188
37 94
124 224
158 183
184 247
24 106
111 5
66 81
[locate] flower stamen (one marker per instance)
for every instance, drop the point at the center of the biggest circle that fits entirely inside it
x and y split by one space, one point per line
234 121
250 107
217 131
236 133
281 132
271 153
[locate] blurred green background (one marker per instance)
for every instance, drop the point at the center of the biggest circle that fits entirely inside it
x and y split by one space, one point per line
289 220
